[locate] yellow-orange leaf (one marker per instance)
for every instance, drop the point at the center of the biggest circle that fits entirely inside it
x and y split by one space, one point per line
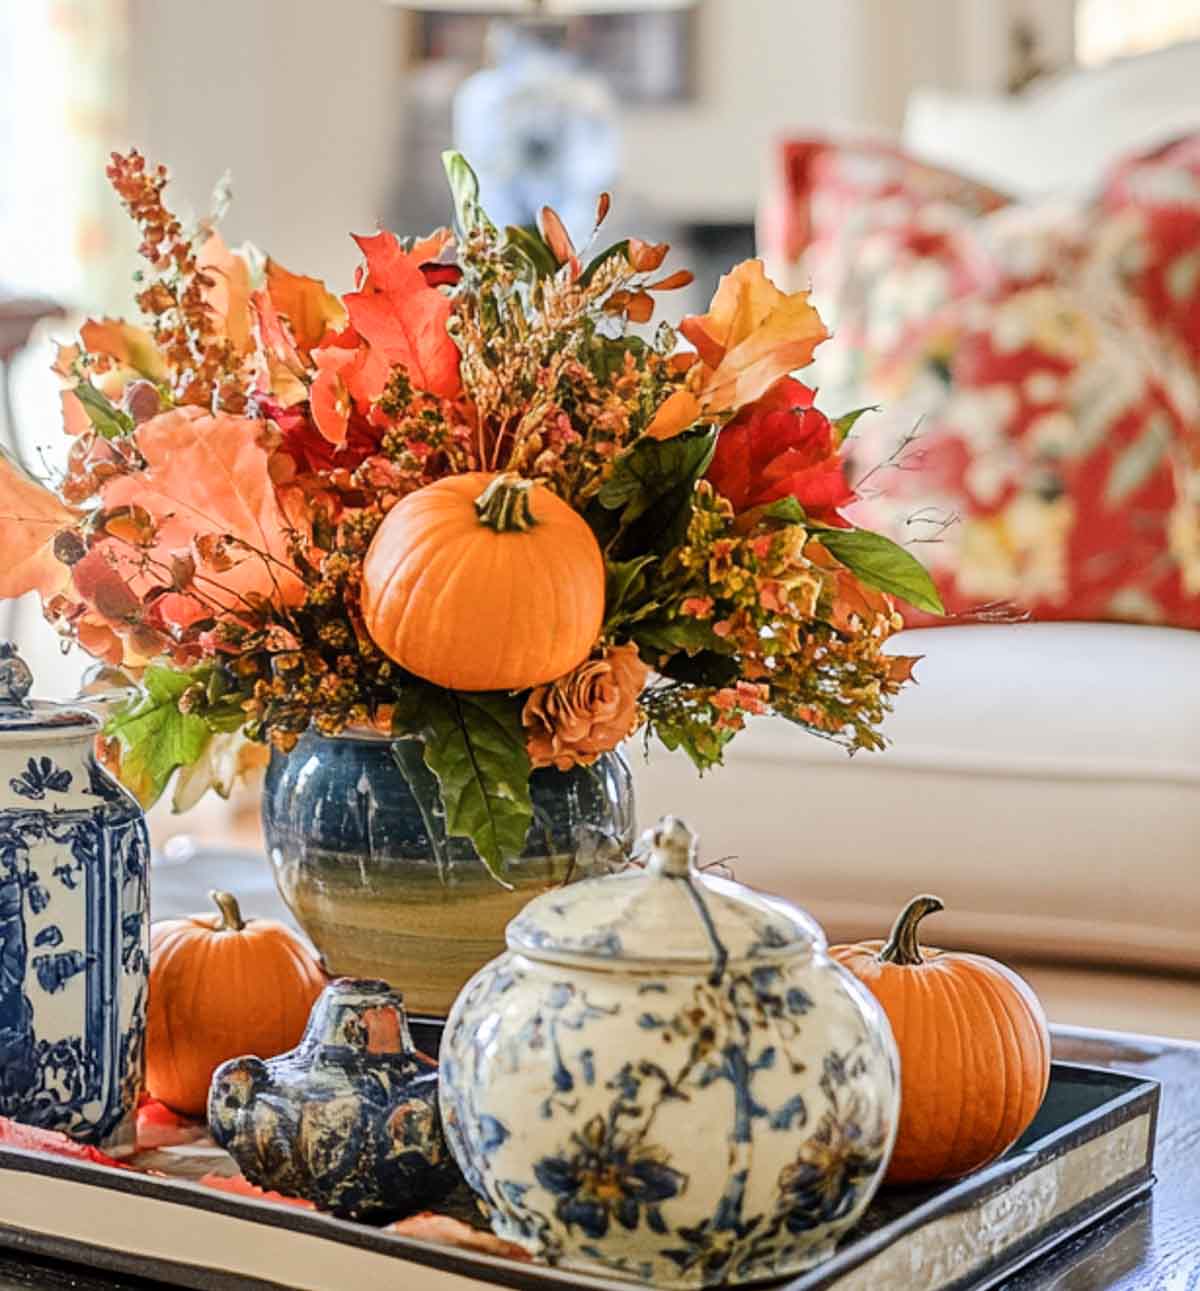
782 341
229 295
745 298
675 415
640 308
673 281
133 347
30 516
645 257
306 303
554 234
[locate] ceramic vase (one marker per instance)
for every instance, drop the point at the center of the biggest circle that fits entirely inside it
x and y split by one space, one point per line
348 1119
74 924
665 1076
355 833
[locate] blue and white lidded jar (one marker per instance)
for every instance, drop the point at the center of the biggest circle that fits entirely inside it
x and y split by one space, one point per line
667 1077
74 923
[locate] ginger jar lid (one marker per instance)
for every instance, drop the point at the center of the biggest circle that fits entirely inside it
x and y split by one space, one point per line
667 914
20 714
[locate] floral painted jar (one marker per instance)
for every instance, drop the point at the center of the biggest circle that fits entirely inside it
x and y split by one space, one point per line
667 1077
74 923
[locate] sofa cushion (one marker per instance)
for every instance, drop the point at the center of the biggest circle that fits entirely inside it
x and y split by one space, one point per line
1043 780
1049 356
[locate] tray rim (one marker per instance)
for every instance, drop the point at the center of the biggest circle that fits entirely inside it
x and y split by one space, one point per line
536 1277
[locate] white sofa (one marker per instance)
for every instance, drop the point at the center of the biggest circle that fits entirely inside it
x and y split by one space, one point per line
1043 780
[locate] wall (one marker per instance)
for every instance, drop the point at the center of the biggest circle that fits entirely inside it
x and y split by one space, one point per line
300 100
767 68
296 98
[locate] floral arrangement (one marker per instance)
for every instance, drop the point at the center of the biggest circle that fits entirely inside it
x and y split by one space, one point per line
248 473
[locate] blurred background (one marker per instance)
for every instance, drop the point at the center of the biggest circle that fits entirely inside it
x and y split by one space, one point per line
997 206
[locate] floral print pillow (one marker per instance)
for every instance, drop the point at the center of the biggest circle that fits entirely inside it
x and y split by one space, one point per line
1039 368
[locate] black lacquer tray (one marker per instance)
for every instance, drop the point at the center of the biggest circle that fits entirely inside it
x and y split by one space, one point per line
1089 1151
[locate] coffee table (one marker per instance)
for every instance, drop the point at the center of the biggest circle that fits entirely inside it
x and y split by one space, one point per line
1151 1245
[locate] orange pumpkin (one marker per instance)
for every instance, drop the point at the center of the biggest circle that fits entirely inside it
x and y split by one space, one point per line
484 582
221 987
974 1049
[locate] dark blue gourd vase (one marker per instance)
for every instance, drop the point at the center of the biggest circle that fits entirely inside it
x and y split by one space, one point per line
365 866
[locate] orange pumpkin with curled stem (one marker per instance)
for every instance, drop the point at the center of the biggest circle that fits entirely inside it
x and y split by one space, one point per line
974 1049
222 986
484 582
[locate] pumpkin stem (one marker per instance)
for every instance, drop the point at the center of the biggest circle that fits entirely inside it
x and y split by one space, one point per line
504 504
902 946
231 914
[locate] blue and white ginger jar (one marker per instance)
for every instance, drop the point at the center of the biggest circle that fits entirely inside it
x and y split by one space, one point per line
667 1077
74 923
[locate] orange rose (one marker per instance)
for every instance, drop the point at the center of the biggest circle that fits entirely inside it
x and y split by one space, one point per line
571 721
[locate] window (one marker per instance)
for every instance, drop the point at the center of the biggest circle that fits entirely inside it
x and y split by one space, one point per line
1106 29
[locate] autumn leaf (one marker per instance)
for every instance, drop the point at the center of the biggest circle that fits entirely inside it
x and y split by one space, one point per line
228 296
554 234
403 318
209 475
30 516
309 307
752 335
132 347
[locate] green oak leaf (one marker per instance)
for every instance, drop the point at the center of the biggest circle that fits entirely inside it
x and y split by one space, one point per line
475 747
882 564
107 419
156 738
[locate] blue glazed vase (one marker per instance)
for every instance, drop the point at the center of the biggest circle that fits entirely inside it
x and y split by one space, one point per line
74 924
348 1119
365 865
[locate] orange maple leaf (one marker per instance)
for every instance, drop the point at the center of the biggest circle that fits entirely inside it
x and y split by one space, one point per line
30 516
209 475
403 318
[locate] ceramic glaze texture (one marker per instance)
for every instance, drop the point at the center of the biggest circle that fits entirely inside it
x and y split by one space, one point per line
348 1119
364 863
74 925
667 1077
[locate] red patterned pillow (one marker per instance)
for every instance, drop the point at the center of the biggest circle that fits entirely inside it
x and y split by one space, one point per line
1052 357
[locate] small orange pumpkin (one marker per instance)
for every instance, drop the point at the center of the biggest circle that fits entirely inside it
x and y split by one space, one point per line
974 1049
221 987
484 582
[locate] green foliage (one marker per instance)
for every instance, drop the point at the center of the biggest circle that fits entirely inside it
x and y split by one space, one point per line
155 736
880 563
530 248
475 746
681 721
107 419
653 482
661 635
618 248
843 425
464 187
627 593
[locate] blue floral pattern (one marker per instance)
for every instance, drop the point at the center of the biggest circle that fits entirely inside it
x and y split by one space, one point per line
73 951
729 1065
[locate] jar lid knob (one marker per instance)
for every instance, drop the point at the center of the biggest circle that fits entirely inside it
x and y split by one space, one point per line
16 680
672 849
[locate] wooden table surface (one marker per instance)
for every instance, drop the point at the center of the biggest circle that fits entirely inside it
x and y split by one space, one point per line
1151 1245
